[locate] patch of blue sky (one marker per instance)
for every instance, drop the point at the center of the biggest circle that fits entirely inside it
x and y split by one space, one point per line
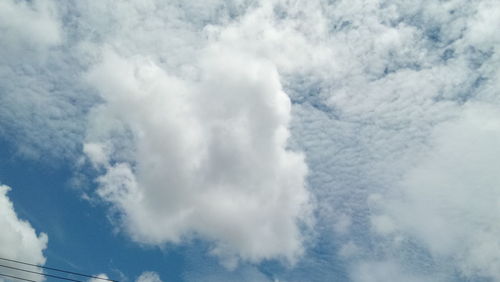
81 238
361 127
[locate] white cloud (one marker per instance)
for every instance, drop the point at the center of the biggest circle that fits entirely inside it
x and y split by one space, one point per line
208 157
96 154
382 224
450 201
27 25
18 240
370 82
102 275
148 276
43 105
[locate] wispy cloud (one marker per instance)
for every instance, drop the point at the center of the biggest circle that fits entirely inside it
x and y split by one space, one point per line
185 110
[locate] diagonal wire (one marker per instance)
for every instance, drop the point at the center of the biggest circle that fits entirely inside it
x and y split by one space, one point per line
40 273
15 277
57 269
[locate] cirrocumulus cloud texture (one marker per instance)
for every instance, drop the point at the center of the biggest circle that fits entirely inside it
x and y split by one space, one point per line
236 121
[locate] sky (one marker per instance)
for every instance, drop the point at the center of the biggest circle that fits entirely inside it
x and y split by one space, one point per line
251 140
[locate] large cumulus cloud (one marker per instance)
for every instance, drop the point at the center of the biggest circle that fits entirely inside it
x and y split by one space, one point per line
207 157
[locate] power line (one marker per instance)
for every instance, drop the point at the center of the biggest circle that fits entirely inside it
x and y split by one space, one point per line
60 270
40 273
15 277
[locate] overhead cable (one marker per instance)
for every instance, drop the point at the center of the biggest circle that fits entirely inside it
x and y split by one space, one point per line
40 273
15 277
59 270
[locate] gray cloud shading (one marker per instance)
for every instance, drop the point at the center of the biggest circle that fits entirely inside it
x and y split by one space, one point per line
392 104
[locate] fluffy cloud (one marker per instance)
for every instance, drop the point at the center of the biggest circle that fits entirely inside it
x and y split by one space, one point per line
370 83
189 127
102 275
395 72
450 201
148 276
205 157
28 25
18 239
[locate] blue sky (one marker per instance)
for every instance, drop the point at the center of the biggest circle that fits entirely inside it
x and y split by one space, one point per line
252 140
